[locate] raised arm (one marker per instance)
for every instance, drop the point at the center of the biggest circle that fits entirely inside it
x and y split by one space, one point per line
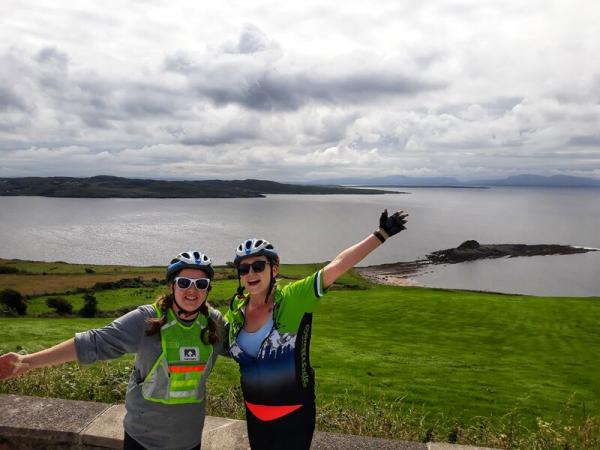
388 226
14 364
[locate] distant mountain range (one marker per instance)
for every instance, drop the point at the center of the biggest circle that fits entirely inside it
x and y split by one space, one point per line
517 180
107 187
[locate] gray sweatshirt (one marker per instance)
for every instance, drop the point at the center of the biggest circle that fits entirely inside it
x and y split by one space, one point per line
154 425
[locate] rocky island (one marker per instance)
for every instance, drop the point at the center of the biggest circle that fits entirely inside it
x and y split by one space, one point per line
399 273
472 250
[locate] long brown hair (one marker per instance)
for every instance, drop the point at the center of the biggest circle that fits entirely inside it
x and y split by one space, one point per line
208 335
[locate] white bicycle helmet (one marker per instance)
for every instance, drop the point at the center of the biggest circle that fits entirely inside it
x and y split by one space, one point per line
255 247
192 260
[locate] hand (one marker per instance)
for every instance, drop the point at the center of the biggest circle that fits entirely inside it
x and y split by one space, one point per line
390 225
12 365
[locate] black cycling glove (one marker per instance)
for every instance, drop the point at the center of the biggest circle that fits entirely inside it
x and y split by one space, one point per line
390 225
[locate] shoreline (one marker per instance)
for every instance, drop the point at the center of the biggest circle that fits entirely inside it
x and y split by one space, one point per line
394 274
414 273
400 274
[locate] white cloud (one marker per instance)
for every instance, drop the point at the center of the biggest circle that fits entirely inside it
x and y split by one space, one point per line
295 91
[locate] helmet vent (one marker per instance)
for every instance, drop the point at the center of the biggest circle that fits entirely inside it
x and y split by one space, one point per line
192 259
257 247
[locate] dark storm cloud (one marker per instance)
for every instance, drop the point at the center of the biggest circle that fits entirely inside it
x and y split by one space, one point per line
252 73
265 92
51 55
51 69
57 107
147 99
42 82
97 101
330 129
586 141
225 136
271 90
362 87
9 100
43 77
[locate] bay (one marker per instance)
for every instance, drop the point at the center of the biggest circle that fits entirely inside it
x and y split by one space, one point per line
307 228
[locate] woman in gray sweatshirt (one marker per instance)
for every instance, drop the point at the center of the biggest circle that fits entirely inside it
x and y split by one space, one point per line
176 342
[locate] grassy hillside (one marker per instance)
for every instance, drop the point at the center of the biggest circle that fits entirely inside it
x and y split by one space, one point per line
108 187
412 363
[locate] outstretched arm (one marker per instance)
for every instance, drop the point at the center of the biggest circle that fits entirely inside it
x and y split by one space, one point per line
14 364
121 336
388 226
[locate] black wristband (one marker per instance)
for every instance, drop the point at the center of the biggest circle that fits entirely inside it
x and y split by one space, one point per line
379 236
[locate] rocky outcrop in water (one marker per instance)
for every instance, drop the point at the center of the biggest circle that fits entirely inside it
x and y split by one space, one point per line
400 273
472 250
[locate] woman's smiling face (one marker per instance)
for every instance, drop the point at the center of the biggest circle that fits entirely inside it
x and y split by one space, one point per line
190 298
257 282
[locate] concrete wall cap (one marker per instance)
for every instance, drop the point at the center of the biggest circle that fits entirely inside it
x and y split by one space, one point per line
55 424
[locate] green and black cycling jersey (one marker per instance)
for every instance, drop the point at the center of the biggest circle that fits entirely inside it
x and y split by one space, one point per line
280 379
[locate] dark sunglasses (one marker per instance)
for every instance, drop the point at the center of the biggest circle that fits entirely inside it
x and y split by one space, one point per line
184 283
257 267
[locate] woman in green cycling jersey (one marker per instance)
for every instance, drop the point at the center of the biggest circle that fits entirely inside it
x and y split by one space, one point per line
176 342
269 333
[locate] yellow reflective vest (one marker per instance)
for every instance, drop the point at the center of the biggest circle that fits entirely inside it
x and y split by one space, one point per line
179 371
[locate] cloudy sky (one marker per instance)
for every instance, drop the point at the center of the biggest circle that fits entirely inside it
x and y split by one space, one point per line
296 91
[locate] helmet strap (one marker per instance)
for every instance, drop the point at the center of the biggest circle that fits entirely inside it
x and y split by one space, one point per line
271 283
240 288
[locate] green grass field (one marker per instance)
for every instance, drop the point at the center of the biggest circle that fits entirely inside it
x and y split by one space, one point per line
62 268
398 362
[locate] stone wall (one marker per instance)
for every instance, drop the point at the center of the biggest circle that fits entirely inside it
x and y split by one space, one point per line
28 423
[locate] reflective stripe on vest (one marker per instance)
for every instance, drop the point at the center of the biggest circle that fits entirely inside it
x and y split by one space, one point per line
177 375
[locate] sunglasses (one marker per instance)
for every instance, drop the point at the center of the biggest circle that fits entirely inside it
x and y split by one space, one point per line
184 283
257 267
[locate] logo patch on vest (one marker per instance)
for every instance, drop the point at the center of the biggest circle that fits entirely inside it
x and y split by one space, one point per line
189 353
